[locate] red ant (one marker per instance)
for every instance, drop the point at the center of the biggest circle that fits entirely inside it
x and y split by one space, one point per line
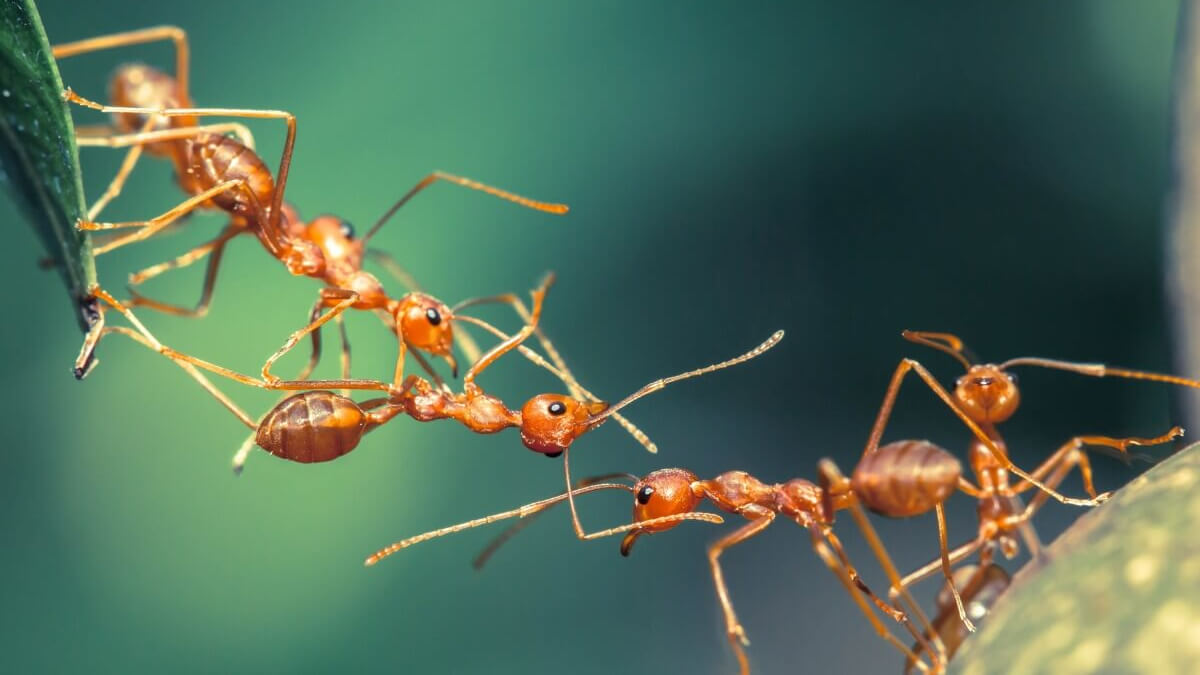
899 479
320 425
664 498
985 396
226 173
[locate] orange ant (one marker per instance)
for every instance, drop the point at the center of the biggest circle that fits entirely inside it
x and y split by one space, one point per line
319 426
899 479
985 396
663 498
227 174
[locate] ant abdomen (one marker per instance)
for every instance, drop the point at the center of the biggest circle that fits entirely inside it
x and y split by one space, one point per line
314 426
213 159
905 478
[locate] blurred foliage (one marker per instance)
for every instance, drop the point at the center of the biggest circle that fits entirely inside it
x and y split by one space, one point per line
37 148
1119 591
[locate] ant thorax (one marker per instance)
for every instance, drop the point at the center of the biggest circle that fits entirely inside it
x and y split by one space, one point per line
734 490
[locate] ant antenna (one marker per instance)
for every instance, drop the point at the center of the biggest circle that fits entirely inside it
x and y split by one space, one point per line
943 342
488 551
547 207
538 506
660 384
1100 370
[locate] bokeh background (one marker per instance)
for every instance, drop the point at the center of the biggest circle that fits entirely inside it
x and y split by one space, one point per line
842 171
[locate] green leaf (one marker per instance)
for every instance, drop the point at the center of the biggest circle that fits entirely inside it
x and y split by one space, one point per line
37 149
1119 592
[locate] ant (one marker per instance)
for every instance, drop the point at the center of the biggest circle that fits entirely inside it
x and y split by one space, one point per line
900 479
319 425
985 396
226 173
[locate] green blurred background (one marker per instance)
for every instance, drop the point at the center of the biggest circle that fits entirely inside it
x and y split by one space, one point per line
840 171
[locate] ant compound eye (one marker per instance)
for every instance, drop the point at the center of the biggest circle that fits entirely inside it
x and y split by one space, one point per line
644 495
1012 377
347 229
557 408
959 382
434 316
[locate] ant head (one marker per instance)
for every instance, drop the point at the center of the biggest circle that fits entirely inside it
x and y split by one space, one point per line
987 393
551 422
666 492
304 258
335 237
424 322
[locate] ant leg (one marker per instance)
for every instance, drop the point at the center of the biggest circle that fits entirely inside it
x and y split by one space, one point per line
1072 453
889 401
150 227
733 628
146 137
118 181
432 178
830 476
343 299
135 37
146 338
216 247
508 345
274 231
854 590
341 323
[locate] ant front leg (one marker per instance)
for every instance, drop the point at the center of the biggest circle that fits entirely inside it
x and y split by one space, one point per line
761 518
1071 454
885 411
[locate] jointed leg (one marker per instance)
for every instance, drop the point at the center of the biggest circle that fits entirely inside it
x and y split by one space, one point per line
146 338
513 342
1072 452
885 411
135 37
275 232
831 478
854 589
146 137
118 181
216 247
733 629
150 227
342 299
